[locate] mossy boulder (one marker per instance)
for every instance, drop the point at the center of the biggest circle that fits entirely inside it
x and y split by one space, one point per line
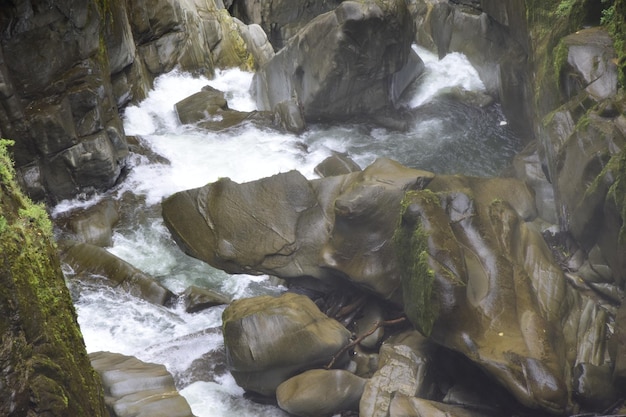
467 256
45 368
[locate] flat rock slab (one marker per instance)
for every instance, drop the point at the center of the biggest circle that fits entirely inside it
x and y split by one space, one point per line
134 388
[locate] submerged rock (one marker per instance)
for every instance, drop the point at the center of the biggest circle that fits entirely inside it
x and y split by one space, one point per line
90 260
353 61
208 109
336 164
270 339
198 299
94 225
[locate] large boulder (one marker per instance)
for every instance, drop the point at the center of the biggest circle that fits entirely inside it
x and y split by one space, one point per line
270 339
353 61
469 253
274 225
290 227
281 19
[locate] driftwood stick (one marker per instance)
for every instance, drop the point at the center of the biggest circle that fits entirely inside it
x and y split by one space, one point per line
358 340
350 308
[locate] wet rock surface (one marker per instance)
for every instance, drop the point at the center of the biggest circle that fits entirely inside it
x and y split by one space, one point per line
270 339
134 388
467 262
349 43
67 70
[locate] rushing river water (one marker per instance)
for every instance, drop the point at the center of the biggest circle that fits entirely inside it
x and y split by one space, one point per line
446 137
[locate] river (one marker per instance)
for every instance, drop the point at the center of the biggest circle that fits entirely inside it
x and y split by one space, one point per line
446 137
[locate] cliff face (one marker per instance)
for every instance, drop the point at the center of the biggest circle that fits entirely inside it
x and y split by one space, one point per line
68 67
44 365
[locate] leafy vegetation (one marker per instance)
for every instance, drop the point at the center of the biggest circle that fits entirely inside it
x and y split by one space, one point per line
614 19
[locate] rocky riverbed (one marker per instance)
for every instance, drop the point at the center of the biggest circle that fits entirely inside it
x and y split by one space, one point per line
403 289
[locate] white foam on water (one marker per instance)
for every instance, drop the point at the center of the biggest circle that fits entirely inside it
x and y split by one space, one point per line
224 399
453 70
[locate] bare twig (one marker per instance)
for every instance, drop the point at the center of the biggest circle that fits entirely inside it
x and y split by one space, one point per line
359 339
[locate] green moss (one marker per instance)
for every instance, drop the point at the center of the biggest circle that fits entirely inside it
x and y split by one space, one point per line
40 333
548 23
617 191
564 8
418 278
560 59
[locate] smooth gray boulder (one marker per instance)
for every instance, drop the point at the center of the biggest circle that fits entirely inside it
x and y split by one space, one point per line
270 339
287 226
320 392
273 225
353 61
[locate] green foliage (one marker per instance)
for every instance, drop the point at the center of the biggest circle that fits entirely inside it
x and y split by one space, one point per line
560 59
5 160
37 214
614 19
564 8
617 191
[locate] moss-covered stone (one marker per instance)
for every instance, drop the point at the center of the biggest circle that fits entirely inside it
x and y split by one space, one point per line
418 278
44 365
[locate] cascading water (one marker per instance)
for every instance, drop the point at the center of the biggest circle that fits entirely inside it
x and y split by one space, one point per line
447 136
